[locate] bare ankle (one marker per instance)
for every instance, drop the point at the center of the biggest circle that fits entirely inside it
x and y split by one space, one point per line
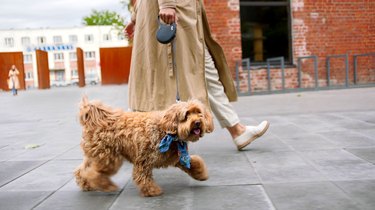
236 130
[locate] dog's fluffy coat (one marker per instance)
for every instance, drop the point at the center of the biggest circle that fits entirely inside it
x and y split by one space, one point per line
111 136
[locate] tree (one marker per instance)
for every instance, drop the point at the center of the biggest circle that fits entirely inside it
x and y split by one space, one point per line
104 17
127 4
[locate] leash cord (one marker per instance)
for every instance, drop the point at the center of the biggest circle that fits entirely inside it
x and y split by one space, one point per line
175 68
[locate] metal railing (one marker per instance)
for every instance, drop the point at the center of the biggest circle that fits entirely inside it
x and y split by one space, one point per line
245 64
299 67
281 60
355 64
346 56
241 63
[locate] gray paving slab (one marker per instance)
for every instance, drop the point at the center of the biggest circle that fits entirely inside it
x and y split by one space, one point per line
361 191
21 200
347 138
229 169
309 142
65 200
317 154
367 154
217 197
11 170
48 177
283 167
309 196
340 165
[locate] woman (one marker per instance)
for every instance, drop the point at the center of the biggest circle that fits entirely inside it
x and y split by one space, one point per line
202 69
13 82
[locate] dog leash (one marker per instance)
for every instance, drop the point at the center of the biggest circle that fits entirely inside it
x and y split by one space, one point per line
166 34
175 68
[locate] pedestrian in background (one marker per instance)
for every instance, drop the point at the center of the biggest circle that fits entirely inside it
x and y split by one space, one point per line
202 69
13 81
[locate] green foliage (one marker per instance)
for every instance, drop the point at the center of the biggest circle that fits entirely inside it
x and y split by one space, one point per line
103 17
126 4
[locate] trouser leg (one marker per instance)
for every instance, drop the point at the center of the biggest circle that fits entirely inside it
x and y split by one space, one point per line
219 102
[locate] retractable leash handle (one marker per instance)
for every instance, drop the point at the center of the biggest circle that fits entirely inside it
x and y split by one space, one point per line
166 34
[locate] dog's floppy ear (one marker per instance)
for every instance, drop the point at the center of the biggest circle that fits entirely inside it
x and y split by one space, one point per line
209 119
169 121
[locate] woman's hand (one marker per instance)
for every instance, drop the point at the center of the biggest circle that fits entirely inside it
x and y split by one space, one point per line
168 15
129 30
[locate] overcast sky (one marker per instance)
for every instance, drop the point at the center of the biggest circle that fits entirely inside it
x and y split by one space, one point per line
21 14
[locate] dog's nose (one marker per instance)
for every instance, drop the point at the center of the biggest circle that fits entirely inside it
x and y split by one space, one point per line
197 123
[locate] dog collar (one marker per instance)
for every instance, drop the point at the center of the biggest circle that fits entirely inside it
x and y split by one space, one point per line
181 146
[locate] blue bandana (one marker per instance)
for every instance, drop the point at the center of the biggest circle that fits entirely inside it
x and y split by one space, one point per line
181 145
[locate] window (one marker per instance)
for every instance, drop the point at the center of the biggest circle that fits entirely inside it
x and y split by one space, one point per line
41 40
89 38
9 42
28 58
74 73
73 39
73 56
29 75
57 39
265 30
25 41
107 37
58 56
90 55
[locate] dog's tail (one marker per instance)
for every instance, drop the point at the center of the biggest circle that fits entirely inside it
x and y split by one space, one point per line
95 114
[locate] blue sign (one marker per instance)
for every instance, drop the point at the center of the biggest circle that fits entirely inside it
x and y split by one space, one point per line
60 47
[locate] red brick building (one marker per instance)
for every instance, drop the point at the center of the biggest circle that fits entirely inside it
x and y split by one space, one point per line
265 29
336 33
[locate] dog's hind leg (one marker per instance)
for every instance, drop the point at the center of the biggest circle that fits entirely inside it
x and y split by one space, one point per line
142 177
198 169
93 175
101 171
80 173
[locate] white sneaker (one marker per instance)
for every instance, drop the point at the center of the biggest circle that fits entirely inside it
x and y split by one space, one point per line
251 133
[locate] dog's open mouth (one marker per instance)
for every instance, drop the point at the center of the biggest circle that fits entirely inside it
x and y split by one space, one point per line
196 131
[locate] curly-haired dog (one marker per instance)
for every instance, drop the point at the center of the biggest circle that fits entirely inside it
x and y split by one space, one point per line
147 139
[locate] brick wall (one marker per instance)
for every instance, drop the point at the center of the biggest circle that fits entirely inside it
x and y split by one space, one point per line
319 27
224 20
324 28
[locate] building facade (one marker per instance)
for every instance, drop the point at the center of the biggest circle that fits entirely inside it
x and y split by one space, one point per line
338 32
61 45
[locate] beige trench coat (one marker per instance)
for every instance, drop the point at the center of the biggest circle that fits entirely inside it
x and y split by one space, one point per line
13 79
152 82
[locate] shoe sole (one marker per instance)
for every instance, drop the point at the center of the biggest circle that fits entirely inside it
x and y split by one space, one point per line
240 147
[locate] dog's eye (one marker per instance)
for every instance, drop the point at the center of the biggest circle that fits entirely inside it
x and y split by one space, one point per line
186 115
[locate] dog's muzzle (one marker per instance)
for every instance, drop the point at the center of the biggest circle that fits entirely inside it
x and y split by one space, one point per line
197 130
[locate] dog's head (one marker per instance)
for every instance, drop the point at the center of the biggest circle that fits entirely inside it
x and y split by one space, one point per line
189 120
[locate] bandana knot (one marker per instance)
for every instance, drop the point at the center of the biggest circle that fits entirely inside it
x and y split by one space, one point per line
181 146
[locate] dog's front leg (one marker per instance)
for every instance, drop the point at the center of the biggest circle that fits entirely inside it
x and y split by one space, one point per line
142 176
198 169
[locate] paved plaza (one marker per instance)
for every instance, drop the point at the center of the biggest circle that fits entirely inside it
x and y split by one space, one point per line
319 153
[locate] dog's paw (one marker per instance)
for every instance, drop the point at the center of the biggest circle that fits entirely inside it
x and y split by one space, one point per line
81 181
110 188
198 168
151 191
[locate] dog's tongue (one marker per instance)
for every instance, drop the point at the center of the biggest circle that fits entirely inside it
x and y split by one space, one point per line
197 131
